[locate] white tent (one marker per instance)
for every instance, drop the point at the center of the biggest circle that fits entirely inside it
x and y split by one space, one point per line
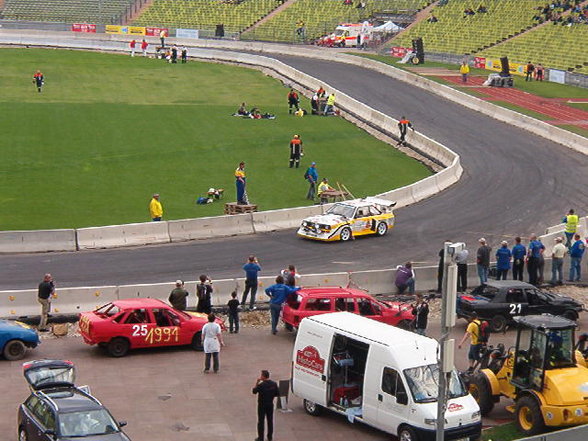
388 27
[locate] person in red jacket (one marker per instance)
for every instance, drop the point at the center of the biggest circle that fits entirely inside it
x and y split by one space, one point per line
144 45
132 45
293 100
403 126
38 80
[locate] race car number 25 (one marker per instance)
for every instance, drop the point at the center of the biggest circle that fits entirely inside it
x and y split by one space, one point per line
156 335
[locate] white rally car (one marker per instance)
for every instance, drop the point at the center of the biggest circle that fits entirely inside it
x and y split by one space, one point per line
347 219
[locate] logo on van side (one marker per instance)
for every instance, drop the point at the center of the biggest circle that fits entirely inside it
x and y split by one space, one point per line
309 358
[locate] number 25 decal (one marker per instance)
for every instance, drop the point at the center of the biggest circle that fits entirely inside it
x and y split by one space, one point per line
515 308
139 330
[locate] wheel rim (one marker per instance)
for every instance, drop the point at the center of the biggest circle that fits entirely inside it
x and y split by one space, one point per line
405 436
526 418
345 234
310 406
382 228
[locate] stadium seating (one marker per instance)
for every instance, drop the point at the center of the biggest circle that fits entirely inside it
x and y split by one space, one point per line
555 46
320 17
459 34
69 11
205 14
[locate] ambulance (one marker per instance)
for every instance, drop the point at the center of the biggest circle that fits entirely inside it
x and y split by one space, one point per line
379 375
346 34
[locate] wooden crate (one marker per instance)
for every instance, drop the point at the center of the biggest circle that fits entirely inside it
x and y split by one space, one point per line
234 208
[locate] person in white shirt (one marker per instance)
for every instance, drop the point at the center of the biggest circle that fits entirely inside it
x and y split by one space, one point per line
212 340
557 256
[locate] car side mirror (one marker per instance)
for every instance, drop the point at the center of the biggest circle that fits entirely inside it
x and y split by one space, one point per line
401 397
122 423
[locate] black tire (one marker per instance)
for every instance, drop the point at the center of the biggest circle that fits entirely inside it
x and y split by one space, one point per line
312 408
570 315
381 229
480 390
407 433
197 342
22 434
288 327
118 347
346 234
14 350
529 417
498 323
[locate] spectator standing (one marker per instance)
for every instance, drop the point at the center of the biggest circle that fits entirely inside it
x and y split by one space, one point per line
212 340
311 176
233 305
133 45
296 151
571 220
557 256
321 92
241 183
518 259
204 292
179 296
290 275
162 38
155 208
483 260
461 259
403 125
421 313
293 101
278 294
473 333
314 104
533 257
324 186
252 270
174 54
440 269
539 72
184 54
266 391
38 80
405 278
529 69
46 290
464 70
503 255
576 253
540 263
144 45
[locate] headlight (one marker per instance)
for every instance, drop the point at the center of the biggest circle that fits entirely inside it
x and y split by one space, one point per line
431 421
476 415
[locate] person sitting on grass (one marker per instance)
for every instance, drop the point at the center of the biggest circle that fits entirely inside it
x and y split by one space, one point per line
241 111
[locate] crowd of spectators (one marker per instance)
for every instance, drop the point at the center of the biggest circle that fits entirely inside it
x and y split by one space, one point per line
555 10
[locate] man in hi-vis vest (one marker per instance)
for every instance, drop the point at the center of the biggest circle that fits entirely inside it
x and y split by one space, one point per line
571 221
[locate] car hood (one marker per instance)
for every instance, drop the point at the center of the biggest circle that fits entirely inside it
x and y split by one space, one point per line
326 219
119 436
19 330
558 299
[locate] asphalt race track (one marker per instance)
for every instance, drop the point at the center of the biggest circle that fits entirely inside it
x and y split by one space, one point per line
513 183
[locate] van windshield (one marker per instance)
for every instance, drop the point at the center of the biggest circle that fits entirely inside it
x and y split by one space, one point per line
423 382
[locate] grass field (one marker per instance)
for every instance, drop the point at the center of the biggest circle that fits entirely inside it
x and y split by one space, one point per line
109 130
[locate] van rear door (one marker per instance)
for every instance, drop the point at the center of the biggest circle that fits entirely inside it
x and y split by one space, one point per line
312 350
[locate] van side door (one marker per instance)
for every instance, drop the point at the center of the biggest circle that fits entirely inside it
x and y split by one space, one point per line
392 401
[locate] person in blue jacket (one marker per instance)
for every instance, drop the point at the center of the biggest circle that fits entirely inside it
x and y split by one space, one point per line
503 256
518 260
576 253
278 293
311 176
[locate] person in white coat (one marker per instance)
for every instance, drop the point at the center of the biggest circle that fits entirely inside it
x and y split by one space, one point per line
212 340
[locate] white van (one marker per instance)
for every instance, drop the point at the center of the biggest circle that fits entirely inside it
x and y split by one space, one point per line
346 34
380 375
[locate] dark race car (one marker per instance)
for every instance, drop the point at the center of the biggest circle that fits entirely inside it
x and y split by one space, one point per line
57 410
500 300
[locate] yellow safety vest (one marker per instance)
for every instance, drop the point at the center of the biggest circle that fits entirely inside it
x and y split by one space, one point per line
571 223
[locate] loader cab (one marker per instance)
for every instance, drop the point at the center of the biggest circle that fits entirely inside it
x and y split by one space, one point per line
544 342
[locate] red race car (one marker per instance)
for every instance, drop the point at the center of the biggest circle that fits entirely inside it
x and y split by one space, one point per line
141 323
312 301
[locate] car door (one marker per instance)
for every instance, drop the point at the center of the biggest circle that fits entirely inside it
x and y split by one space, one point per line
42 427
345 304
516 300
392 401
537 303
31 426
362 222
136 326
166 331
370 309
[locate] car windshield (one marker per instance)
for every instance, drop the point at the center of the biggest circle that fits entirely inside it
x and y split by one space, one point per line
86 423
341 210
423 382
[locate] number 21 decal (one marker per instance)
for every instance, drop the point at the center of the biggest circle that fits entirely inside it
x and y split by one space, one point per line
515 308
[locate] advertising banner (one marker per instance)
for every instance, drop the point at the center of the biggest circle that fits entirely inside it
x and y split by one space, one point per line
83 27
187 33
479 62
514 68
154 32
557 76
399 52
115 29
136 30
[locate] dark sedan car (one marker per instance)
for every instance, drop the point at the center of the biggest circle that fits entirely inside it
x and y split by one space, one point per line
57 410
500 300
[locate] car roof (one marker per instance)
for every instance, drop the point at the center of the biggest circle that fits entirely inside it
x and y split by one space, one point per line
545 321
139 303
508 284
364 202
331 291
70 399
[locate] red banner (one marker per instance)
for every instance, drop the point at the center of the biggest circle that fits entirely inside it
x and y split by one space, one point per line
399 52
480 62
154 32
83 27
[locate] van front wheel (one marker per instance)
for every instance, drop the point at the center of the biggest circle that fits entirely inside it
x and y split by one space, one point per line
312 408
407 433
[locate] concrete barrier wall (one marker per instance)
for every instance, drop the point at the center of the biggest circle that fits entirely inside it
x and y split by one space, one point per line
37 241
114 236
264 221
207 227
76 300
19 303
